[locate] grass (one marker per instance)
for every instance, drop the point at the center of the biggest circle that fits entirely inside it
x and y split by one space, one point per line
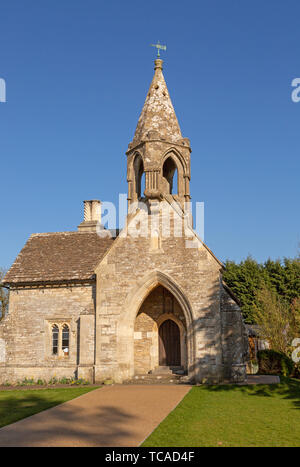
258 415
18 404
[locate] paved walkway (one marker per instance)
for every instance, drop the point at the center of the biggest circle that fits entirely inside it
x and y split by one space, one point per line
109 416
262 379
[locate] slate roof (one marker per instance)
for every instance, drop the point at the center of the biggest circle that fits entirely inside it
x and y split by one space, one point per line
59 256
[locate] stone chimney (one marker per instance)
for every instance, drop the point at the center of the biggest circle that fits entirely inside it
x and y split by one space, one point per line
92 216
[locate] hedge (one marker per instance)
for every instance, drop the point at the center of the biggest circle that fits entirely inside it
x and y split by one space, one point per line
271 362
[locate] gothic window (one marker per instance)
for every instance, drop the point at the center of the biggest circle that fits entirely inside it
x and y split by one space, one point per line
65 339
170 176
55 333
139 176
60 339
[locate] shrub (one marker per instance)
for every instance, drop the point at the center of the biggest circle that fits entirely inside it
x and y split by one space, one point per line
272 362
65 380
41 382
27 382
80 381
53 380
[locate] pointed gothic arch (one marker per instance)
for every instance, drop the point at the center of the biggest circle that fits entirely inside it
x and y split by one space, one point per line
133 302
179 159
138 168
173 165
169 170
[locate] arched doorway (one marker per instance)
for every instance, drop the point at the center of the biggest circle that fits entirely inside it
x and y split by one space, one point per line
159 332
169 344
132 339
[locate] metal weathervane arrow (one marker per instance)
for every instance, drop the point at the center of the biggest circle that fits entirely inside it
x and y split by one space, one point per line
159 47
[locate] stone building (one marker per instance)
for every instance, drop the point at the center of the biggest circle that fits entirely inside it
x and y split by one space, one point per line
89 304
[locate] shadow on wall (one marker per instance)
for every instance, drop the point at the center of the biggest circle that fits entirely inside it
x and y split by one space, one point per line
222 355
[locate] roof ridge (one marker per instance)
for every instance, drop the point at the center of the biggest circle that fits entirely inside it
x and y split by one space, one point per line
40 234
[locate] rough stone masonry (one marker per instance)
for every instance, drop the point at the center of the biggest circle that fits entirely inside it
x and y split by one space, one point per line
87 305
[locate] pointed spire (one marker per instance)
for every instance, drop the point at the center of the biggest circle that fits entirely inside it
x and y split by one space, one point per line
158 118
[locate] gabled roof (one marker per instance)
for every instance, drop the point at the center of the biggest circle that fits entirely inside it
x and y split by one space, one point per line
58 256
158 114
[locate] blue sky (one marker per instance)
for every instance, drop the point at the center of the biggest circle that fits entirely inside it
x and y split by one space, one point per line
77 73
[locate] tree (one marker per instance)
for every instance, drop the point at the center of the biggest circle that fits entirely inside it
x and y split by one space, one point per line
3 296
247 277
244 280
284 277
278 321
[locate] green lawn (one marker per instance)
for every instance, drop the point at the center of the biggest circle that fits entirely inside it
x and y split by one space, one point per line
261 415
18 404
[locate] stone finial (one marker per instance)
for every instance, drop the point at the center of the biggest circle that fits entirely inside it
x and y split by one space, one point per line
158 63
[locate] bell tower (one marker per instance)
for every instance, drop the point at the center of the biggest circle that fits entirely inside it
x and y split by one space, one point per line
158 151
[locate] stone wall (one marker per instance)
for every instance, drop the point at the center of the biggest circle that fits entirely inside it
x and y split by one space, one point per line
123 339
191 274
26 332
234 339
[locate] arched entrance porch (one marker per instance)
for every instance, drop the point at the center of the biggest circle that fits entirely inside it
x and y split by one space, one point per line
155 299
160 337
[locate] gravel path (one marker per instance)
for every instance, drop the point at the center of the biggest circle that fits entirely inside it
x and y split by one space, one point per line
110 416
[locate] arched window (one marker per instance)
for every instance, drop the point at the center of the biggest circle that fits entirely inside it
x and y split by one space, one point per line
143 184
65 339
170 175
138 173
55 333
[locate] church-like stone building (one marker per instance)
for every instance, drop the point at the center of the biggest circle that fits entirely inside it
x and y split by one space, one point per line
93 305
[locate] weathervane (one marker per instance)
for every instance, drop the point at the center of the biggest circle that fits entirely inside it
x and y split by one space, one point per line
159 47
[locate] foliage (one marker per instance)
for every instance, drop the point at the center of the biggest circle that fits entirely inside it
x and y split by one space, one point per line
247 277
284 277
27 382
272 362
80 381
65 380
244 280
41 382
52 382
278 321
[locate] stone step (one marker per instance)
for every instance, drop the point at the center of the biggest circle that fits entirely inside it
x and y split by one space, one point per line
169 370
157 379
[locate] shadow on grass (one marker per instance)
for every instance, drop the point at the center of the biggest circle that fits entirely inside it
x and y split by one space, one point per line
288 389
65 425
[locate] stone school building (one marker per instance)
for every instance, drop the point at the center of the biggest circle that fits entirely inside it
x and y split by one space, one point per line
101 305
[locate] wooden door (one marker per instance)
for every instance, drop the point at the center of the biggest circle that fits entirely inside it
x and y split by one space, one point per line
169 344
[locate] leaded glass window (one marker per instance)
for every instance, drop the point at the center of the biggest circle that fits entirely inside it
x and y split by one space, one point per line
55 332
65 339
